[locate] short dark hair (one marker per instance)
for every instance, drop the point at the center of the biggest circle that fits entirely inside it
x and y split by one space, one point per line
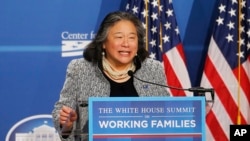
93 52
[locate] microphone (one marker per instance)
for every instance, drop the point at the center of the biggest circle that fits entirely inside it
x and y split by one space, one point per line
131 73
203 90
195 89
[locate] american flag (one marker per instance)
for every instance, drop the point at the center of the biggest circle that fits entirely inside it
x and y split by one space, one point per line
163 40
227 69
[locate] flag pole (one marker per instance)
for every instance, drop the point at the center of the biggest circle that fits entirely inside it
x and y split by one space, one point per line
159 4
239 50
146 20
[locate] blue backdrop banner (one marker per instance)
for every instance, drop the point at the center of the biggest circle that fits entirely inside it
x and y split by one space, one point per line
39 38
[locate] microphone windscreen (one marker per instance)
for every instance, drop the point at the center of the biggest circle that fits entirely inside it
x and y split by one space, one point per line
130 73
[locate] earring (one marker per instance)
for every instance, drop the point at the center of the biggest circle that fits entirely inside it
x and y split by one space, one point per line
103 53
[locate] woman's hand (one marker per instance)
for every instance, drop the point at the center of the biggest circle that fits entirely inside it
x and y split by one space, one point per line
67 118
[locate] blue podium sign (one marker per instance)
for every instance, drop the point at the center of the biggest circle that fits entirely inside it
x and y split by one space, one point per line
147 118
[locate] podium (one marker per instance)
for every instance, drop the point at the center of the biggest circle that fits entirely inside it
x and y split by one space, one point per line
147 119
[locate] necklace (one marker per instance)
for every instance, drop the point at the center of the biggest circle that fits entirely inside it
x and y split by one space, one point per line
115 74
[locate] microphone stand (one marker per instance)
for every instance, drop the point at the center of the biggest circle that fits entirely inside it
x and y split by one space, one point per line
200 90
78 133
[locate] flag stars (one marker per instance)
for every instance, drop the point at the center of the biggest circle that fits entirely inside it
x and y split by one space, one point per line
154 16
161 7
241 54
154 29
152 55
234 1
242 29
248 33
144 25
167 25
241 41
248 46
248 20
127 6
242 16
232 12
152 42
144 13
243 3
165 38
177 30
220 21
135 10
160 47
154 3
230 25
229 38
169 12
222 8
150 12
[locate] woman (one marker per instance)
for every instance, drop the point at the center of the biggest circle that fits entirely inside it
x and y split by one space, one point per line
118 48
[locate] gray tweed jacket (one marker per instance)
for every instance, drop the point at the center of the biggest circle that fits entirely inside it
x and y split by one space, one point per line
84 80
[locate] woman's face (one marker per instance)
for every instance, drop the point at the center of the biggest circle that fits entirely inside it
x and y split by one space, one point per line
121 44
